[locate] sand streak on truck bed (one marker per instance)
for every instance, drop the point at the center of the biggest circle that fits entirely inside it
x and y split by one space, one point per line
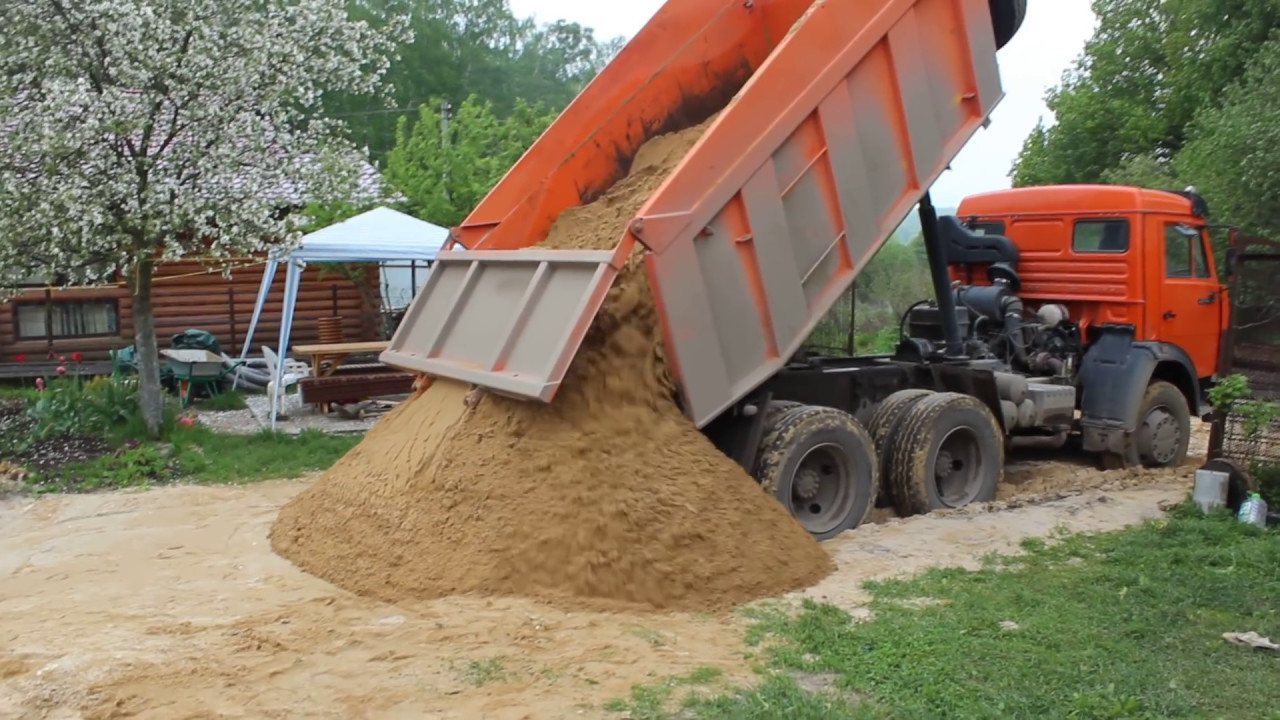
609 496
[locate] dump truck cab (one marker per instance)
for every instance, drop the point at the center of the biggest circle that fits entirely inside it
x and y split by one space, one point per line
1113 255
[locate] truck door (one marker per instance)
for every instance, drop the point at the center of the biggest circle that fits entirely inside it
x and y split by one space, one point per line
1189 301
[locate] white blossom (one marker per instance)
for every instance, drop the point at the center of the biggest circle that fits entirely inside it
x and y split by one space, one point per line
168 128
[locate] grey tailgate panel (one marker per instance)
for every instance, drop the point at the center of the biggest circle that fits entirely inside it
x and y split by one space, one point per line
507 320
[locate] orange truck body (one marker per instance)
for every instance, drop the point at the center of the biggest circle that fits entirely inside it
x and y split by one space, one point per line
1112 254
834 118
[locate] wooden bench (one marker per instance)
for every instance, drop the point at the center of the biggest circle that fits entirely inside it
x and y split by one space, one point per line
349 388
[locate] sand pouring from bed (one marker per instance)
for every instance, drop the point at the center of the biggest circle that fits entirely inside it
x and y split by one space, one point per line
609 496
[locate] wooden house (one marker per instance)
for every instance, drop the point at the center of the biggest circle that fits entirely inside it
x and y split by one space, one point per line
43 321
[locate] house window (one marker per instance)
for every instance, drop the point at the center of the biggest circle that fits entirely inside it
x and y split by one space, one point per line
67 319
1101 236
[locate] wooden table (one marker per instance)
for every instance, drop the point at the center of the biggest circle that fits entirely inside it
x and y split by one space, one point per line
322 352
331 351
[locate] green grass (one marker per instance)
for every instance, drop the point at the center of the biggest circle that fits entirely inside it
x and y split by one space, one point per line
1125 624
483 672
227 400
204 456
199 455
649 702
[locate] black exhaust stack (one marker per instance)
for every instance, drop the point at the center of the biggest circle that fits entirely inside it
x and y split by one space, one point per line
936 253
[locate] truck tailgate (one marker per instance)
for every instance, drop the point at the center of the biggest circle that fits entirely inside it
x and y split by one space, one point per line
835 129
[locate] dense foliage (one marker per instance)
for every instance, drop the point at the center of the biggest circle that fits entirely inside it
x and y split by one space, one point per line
1170 93
466 48
443 169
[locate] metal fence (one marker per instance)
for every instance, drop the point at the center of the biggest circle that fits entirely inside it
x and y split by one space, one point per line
1252 349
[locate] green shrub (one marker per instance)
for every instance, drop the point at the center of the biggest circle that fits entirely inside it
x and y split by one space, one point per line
71 406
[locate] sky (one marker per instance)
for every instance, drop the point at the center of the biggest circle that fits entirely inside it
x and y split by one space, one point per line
1050 40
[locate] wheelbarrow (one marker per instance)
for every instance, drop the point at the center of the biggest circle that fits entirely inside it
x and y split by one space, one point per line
194 370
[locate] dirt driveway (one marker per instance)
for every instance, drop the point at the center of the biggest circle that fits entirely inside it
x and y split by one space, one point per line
170 604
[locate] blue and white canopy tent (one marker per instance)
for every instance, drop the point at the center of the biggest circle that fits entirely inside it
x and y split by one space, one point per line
379 235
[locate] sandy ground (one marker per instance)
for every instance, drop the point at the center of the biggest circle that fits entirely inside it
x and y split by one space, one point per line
170 604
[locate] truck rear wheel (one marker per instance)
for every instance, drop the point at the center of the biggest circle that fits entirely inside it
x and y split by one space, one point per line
887 416
820 464
947 452
890 411
774 411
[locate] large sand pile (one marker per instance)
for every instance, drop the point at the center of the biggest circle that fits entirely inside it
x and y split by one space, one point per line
608 496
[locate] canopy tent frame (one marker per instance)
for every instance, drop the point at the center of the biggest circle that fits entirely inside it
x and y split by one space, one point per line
379 235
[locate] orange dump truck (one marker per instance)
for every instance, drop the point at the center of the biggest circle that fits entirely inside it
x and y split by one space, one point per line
832 120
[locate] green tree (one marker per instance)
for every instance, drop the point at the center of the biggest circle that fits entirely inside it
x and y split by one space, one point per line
444 169
470 47
1123 111
1233 155
137 132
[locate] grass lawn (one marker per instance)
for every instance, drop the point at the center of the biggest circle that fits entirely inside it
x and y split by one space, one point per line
79 436
208 457
1126 624
199 455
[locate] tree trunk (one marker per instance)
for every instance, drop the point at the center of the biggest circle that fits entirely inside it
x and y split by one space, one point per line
150 393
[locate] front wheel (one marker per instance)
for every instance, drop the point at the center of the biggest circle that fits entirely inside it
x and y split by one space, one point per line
820 464
1163 432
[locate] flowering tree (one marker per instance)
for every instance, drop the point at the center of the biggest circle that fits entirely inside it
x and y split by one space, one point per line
138 131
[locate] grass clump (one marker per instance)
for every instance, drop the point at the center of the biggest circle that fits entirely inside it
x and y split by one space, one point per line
1125 624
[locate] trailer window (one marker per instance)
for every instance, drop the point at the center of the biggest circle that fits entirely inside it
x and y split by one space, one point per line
1101 236
66 319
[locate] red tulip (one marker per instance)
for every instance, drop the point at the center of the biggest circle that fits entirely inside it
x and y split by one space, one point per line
60 370
19 358
77 356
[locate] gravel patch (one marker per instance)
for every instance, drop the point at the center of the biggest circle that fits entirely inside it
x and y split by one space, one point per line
298 416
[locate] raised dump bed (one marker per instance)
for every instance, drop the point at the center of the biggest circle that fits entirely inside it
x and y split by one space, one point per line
834 118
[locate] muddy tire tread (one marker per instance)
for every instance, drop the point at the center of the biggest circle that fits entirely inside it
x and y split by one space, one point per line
778 414
887 417
908 454
889 411
809 419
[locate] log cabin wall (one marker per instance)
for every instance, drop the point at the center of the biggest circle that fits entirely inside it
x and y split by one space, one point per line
186 295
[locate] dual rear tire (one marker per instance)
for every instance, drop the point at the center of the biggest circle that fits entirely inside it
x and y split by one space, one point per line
820 464
928 450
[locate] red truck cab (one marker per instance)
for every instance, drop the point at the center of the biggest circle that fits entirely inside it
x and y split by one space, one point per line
1112 254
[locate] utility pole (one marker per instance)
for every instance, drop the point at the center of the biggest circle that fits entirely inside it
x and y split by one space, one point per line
445 109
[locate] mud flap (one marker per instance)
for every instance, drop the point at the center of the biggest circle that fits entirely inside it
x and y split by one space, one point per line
1113 379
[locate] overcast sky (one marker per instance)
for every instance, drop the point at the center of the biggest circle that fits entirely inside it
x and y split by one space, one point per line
1054 34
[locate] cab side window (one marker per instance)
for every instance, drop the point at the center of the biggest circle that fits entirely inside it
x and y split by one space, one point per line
1201 261
1100 236
1184 255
